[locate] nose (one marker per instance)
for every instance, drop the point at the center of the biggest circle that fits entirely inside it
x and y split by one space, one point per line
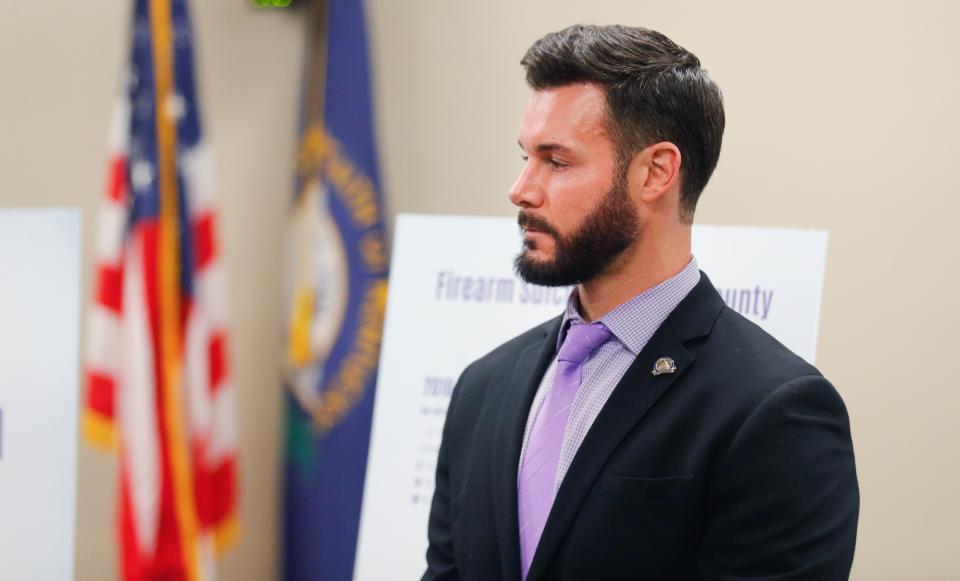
525 191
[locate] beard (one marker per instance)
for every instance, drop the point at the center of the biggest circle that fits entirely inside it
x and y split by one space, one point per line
580 256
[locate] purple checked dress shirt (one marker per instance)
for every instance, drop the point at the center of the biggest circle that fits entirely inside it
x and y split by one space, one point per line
632 324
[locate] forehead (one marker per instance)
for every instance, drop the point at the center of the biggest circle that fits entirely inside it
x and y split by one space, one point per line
570 115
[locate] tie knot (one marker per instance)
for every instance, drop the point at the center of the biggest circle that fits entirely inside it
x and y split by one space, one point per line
581 340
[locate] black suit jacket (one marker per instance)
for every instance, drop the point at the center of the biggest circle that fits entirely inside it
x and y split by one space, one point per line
737 466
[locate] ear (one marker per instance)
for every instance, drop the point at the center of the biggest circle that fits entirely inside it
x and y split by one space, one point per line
657 171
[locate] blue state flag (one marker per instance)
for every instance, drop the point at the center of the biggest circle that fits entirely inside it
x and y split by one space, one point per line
338 266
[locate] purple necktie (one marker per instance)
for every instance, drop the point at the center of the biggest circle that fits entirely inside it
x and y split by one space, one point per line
538 474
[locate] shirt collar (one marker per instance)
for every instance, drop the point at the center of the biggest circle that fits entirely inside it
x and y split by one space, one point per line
635 321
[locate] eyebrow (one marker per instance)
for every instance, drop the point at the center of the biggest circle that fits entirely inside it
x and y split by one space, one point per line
547 147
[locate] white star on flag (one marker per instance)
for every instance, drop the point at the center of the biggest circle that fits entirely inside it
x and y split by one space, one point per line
141 175
175 106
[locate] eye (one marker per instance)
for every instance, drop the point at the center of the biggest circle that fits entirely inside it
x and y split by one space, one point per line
525 157
556 163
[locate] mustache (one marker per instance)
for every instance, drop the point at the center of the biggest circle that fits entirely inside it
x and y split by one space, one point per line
526 221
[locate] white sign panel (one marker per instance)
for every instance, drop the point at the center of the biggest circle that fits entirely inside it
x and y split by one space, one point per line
454 297
39 310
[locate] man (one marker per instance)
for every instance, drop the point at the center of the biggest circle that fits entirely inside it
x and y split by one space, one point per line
649 432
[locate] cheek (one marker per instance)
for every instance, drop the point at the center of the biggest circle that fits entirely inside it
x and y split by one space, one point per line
576 196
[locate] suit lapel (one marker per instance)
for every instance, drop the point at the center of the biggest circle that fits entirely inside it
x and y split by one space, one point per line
633 397
511 423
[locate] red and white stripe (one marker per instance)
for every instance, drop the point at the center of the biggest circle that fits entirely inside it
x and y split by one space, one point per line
123 373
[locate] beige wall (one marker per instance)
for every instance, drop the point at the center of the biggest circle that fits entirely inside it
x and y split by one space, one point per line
840 116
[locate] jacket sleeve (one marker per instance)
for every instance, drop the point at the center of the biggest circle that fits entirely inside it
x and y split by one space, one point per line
784 500
441 562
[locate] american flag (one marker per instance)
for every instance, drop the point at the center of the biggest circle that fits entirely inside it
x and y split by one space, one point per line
158 383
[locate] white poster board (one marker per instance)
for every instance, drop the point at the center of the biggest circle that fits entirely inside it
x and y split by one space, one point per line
454 297
39 314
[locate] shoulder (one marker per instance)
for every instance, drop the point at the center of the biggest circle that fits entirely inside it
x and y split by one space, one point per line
745 372
737 364
749 349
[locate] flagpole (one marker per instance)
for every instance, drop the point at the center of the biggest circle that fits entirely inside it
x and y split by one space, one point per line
303 304
169 291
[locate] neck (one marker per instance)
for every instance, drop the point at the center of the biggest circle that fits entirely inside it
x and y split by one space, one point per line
641 267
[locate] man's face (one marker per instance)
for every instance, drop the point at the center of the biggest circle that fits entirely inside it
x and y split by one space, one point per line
575 210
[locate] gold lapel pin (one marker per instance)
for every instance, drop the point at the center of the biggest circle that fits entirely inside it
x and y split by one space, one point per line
664 366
